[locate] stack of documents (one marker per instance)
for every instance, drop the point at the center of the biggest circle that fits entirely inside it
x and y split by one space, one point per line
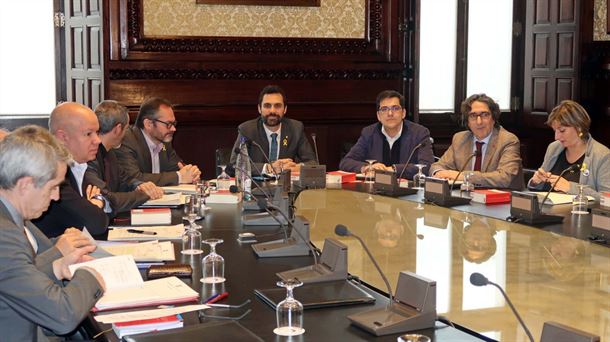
145 251
162 233
169 200
146 325
189 189
557 198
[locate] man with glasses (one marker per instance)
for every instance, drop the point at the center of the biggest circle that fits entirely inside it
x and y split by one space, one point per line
282 139
494 152
123 193
390 141
146 153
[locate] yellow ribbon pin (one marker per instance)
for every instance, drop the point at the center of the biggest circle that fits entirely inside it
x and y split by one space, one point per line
285 141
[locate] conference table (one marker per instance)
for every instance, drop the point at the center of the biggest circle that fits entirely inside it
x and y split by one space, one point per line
549 275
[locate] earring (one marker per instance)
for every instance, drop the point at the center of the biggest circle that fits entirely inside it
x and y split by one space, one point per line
580 134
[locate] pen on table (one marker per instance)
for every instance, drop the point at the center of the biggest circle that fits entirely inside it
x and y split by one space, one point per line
219 298
137 231
212 298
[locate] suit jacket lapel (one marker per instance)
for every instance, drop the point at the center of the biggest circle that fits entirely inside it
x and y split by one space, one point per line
491 150
264 142
144 151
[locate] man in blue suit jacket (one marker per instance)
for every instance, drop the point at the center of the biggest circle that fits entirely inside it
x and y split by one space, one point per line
391 141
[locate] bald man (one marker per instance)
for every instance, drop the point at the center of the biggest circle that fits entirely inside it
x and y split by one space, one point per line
76 126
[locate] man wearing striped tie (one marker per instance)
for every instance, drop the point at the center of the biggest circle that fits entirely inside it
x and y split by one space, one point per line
275 143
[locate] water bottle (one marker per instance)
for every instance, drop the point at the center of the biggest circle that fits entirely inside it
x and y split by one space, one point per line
243 171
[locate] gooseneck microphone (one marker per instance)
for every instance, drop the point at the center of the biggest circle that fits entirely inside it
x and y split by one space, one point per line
429 139
267 206
463 167
477 279
262 203
315 147
570 168
342 230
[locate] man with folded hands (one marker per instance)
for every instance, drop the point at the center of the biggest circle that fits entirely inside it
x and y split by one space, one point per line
146 152
32 270
123 192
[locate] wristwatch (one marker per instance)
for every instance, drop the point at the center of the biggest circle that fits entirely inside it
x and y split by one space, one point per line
100 198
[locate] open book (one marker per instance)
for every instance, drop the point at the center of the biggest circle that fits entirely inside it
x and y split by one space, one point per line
125 287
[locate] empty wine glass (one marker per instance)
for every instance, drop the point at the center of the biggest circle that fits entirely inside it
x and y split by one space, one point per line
369 176
289 312
467 185
203 193
420 178
223 174
193 212
580 202
213 265
187 203
191 242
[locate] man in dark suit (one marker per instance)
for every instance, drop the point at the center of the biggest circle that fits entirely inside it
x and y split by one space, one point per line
281 139
104 172
32 166
494 152
391 141
146 153
81 205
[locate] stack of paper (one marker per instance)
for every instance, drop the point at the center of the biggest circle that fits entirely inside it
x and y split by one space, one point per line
557 198
146 325
151 216
189 189
170 200
145 251
163 233
169 290
119 272
223 197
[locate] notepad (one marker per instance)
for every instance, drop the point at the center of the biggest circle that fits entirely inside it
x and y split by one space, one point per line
163 233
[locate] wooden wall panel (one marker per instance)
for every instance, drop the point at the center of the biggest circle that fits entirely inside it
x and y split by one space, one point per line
331 84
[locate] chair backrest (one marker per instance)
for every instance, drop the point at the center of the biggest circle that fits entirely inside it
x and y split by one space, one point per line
223 157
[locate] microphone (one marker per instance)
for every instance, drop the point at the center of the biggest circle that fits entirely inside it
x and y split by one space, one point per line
315 147
269 206
570 168
342 230
462 169
252 142
262 203
429 139
477 279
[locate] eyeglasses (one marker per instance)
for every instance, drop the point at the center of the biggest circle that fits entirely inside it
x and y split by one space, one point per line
168 124
474 116
386 110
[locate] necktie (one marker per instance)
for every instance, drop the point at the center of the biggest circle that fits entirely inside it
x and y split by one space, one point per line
479 156
273 149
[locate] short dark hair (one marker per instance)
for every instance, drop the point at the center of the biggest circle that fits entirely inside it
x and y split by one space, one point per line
271 89
150 109
493 107
109 114
388 94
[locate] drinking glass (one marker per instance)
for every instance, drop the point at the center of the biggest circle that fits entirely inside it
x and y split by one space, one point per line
580 201
289 312
191 242
193 212
203 192
213 265
223 174
369 176
467 186
187 203
419 179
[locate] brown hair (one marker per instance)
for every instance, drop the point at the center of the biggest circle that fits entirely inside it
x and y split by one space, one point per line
466 106
570 114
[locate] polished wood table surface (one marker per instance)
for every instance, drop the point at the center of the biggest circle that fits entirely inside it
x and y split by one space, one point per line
245 272
549 275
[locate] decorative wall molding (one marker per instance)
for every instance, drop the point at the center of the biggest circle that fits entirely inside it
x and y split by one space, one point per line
261 46
251 74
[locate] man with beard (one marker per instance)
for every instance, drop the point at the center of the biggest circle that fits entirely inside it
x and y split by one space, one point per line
282 139
81 205
146 153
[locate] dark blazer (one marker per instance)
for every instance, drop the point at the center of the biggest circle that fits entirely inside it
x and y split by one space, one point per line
30 295
134 158
501 165
119 189
72 210
370 146
292 142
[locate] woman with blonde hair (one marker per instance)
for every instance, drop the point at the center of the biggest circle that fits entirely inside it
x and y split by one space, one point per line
573 146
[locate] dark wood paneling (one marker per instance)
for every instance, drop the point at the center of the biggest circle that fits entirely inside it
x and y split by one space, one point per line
331 84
